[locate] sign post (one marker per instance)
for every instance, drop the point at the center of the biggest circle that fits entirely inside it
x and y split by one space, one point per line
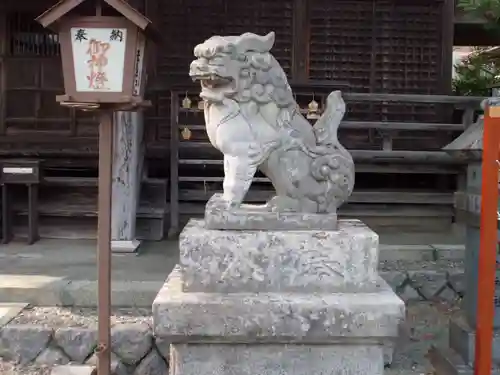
103 59
488 239
104 240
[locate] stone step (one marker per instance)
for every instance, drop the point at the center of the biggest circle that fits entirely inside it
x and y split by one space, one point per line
55 272
424 284
417 253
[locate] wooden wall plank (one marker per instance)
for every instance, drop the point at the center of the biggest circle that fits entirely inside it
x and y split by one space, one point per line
3 52
447 37
300 52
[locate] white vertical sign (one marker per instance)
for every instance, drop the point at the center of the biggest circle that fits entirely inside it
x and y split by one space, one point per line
139 65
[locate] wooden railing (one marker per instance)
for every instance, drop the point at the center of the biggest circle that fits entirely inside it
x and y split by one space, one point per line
196 167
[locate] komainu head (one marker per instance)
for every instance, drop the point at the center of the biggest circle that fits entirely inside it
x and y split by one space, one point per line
240 68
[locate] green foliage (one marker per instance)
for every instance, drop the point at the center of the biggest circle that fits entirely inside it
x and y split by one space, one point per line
489 10
476 74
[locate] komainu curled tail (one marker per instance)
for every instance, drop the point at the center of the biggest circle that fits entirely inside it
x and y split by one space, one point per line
334 164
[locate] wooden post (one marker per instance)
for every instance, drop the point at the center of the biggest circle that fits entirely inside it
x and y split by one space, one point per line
33 230
3 73
6 220
127 175
300 50
104 241
174 165
488 240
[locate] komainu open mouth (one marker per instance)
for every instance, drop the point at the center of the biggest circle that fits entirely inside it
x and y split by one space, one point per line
211 81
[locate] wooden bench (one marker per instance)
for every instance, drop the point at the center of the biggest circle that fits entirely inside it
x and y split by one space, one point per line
16 173
68 207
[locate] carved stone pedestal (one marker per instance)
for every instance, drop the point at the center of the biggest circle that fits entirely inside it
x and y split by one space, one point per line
277 302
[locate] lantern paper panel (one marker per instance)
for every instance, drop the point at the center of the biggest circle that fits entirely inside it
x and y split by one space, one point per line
99 58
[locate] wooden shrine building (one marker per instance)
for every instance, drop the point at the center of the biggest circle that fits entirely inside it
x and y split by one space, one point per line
391 58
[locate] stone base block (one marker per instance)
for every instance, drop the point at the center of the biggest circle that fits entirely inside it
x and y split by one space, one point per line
447 362
253 217
314 261
74 370
329 318
277 359
125 246
462 340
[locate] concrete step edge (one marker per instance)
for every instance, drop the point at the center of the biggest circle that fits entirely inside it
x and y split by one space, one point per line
83 293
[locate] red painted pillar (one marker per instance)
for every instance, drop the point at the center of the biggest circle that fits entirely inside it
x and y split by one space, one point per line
488 242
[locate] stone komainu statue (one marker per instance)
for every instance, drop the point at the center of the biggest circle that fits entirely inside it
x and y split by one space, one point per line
252 118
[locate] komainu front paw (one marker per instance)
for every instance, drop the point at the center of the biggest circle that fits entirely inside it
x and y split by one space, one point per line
229 204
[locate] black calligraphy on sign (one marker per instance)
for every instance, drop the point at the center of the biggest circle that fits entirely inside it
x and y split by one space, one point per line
137 73
116 35
81 35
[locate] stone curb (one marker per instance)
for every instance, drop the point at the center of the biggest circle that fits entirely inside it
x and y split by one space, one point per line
9 311
420 284
135 351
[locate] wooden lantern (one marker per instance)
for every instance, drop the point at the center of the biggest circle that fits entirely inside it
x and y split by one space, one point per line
104 61
103 58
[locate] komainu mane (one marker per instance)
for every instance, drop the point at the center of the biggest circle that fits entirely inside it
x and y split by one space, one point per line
252 118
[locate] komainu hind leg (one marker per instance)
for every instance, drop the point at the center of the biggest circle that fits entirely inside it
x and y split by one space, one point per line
287 171
238 175
282 204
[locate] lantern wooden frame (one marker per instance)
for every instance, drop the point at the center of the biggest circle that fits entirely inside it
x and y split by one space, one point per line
72 94
138 30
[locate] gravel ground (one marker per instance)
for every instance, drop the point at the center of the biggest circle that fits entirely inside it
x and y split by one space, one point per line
426 324
56 317
9 369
